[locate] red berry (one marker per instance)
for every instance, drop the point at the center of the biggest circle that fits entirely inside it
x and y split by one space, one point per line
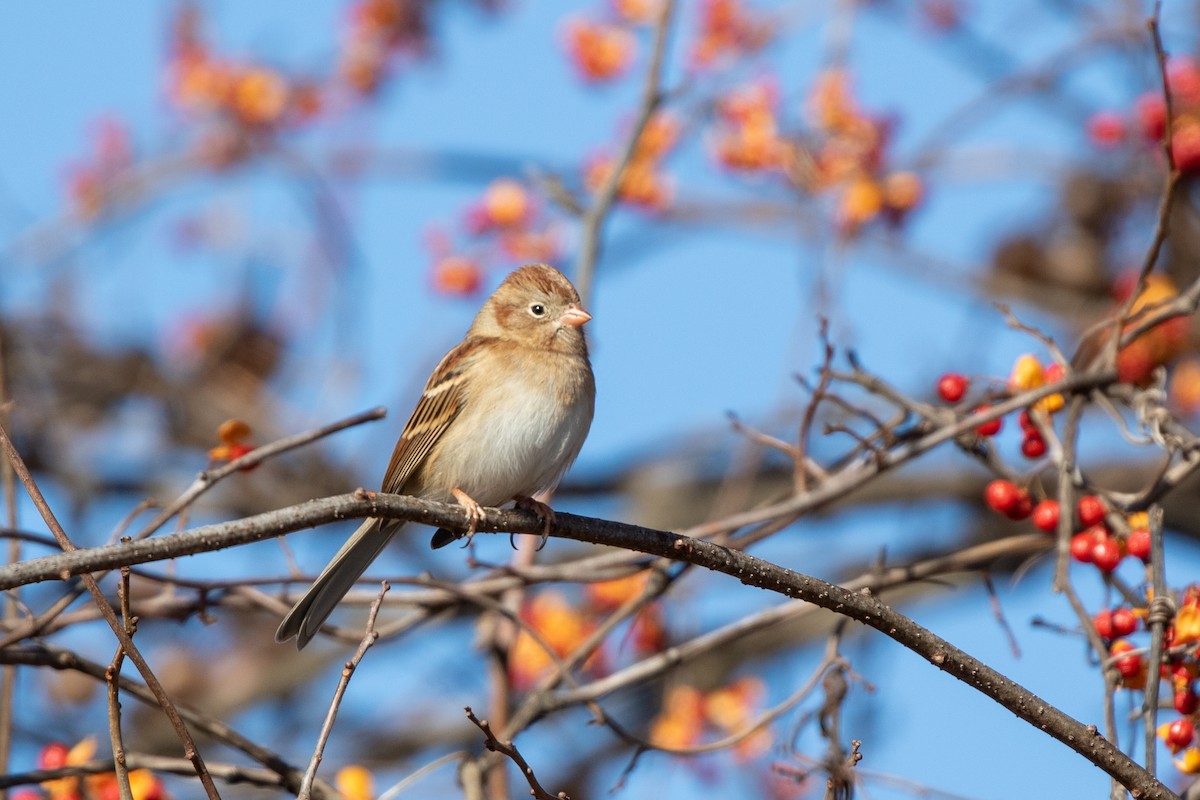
991 427
1045 516
1129 666
1186 701
1053 373
1001 495
1106 555
1022 508
1138 544
1151 111
951 387
53 756
1103 623
1106 129
1081 548
1183 78
1091 511
1185 147
1033 445
1124 622
1180 733
1024 421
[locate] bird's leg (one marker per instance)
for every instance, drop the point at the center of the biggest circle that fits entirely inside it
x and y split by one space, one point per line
542 510
474 512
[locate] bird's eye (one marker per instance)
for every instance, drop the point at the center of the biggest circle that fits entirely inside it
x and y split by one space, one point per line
537 309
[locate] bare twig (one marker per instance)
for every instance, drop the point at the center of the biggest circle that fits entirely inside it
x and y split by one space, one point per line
209 478
602 201
10 607
745 568
229 773
56 658
114 693
369 638
510 749
1161 614
131 650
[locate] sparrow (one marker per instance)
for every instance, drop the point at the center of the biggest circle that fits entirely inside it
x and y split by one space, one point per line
502 417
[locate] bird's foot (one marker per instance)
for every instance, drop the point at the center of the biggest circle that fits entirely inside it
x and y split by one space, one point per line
542 510
475 513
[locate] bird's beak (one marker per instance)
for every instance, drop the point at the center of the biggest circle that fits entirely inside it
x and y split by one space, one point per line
574 316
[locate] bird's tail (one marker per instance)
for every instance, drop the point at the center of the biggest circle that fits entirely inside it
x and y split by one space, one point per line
346 567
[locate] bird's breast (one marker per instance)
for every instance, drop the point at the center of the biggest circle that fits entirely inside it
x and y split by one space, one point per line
519 434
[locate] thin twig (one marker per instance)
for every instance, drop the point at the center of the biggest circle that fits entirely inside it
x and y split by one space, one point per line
9 611
60 659
510 749
39 501
413 777
602 201
114 693
209 478
1161 613
229 773
369 638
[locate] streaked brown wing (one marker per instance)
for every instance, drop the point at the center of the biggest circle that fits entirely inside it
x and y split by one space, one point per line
440 403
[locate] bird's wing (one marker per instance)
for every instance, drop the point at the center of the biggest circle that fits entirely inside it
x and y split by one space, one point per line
440 403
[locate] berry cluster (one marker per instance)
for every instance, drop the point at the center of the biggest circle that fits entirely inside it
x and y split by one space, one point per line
505 224
1102 535
143 784
1110 128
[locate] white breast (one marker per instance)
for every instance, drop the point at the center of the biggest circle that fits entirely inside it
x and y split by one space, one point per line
523 437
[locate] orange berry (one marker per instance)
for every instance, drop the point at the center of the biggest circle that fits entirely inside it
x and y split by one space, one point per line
507 203
861 202
599 51
1184 387
1026 374
457 275
902 191
259 96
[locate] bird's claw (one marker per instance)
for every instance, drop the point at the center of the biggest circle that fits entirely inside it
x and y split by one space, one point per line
542 510
475 513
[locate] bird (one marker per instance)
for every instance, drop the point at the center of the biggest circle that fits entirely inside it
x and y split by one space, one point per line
501 418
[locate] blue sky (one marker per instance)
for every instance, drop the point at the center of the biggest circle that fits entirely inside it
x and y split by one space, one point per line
689 324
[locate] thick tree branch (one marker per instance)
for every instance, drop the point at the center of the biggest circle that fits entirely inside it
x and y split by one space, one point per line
751 571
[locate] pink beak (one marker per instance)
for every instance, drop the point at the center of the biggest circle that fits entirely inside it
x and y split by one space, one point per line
574 316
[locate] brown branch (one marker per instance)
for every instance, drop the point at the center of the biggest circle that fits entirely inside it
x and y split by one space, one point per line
842 483
746 568
60 659
209 478
229 773
602 201
9 610
121 768
39 501
510 749
1161 613
369 638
